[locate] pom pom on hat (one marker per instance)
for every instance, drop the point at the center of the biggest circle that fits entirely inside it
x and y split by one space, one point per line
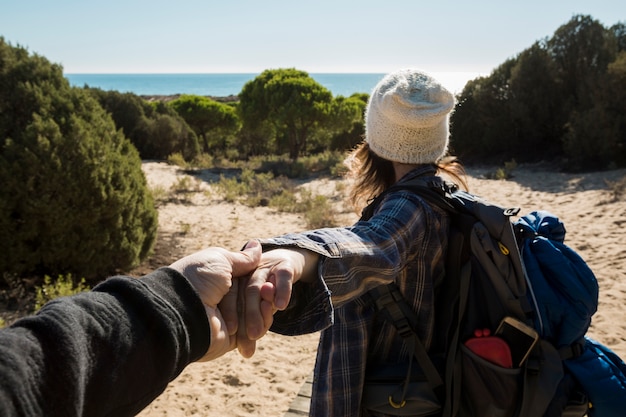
407 118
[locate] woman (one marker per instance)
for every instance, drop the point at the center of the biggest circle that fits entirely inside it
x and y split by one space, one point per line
331 270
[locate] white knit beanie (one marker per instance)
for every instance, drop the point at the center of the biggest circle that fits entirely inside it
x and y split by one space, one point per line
407 118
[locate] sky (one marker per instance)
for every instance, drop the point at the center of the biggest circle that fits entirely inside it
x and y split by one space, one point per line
451 39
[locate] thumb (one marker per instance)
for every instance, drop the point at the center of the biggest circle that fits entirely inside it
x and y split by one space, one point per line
245 261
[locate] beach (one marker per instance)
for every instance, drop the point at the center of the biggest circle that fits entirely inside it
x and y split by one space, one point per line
265 384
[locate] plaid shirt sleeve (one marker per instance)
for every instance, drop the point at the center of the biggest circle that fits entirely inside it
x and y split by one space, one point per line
354 260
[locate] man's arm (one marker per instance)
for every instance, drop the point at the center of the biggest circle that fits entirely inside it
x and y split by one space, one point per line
112 350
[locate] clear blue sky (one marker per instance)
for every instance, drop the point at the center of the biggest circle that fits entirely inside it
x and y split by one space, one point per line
200 36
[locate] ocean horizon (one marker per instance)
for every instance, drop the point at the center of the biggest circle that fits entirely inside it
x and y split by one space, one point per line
212 84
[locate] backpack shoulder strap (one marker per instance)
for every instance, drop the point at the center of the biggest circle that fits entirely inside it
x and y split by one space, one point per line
434 192
389 299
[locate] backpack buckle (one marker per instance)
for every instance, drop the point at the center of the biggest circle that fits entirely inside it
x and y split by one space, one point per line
512 211
573 351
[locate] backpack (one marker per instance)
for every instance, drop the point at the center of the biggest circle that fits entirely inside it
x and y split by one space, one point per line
486 298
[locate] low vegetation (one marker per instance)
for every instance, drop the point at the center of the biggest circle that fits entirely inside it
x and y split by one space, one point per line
262 188
503 173
617 189
61 286
254 189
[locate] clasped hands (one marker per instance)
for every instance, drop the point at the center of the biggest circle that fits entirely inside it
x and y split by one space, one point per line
242 290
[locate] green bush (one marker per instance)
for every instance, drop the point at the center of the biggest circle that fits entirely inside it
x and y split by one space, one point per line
177 159
319 213
73 196
262 189
62 286
155 129
503 173
215 123
303 167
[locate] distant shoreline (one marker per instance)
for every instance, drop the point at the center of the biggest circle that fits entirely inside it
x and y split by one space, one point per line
170 97
214 85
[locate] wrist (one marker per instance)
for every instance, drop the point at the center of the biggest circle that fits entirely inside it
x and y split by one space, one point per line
309 261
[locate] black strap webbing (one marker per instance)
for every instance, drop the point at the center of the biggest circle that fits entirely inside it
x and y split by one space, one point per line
389 298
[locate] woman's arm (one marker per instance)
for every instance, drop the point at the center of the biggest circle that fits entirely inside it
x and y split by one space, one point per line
338 264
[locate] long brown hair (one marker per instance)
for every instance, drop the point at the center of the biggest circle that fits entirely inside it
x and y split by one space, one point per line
371 175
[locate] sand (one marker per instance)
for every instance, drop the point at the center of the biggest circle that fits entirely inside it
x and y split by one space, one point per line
265 384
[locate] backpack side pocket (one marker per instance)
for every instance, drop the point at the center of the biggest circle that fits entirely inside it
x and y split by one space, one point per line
488 389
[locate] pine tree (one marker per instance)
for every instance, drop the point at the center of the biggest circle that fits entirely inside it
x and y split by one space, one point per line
73 196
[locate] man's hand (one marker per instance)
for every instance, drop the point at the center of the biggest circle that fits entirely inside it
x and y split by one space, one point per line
211 272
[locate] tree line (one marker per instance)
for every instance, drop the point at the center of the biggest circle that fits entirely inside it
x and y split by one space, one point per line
74 200
561 100
280 112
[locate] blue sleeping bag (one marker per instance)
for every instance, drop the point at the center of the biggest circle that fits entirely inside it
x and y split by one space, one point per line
602 375
564 291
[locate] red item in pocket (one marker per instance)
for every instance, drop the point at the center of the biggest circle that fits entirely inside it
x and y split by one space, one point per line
491 348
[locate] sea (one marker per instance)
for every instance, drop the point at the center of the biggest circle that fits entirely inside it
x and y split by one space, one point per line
215 85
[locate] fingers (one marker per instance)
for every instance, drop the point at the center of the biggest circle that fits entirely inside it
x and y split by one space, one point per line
229 307
282 279
268 292
255 318
248 289
268 289
245 344
246 261
243 263
221 277
255 321
221 342
267 312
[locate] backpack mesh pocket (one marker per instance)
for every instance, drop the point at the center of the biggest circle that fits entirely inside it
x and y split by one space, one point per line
489 390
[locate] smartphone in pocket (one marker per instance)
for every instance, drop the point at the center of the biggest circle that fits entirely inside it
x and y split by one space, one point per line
520 337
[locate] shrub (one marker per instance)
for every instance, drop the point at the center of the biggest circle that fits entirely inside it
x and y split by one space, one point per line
504 173
177 159
155 129
62 286
212 121
254 189
286 167
319 213
287 201
262 189
617 189
159 194
324 162
73 196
